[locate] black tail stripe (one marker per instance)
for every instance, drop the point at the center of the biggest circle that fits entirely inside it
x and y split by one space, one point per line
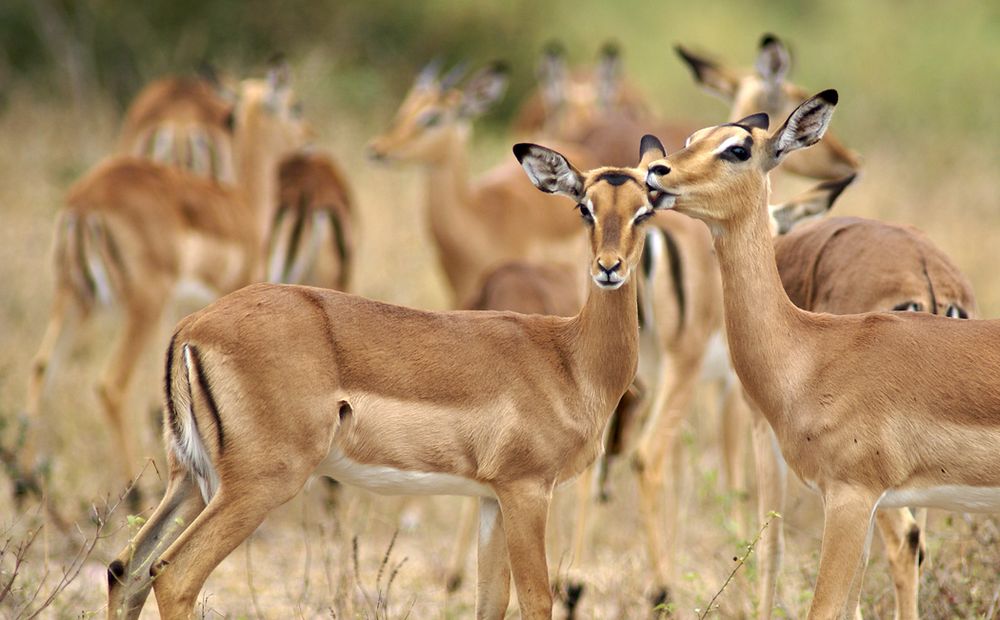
677 278
343 253
81 256
206 387
293 244
168 389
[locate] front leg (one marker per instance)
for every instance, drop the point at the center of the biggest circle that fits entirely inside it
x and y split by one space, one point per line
847 513
493 575
525 507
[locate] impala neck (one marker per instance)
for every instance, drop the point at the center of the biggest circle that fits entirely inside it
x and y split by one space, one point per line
257 179
606 334
766 331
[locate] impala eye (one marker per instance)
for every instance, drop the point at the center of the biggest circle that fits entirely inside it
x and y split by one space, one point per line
642 217
738 152
585 213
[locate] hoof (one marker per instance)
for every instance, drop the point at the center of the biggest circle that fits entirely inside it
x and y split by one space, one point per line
453 583
661 602
574 591
116 573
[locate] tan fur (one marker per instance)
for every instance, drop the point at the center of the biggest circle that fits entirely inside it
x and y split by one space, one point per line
512 402
181 121
855 406
477 224
312 191
133 230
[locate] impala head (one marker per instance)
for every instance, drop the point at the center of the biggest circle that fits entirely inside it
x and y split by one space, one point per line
733 160
613 203
765 89
436 111
267 115
572 101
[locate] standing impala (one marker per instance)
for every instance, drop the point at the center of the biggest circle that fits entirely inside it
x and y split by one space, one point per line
476 224
858 412
134 231
273 383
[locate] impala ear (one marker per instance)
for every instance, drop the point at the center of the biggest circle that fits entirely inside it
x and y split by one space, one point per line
773 61
428 76
279 76
549 171
812 204
483 89
552 74
609 74
650 149
805 126
759 120
707 73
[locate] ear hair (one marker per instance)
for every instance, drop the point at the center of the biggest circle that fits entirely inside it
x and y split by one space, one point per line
804 127
483 89
650 149
552 74
549 171
709 74
773 61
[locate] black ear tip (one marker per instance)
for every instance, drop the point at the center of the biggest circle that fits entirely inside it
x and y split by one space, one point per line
555 48
683 53
611 50
521 150
500 67
830 96
648 142
769 39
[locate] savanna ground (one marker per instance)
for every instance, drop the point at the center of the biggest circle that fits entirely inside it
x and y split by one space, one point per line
919 101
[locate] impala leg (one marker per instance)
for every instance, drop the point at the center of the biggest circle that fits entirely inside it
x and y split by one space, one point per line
733 430
901 535
658 441
227 521
463 541
59 320
847 515
129 579
525 509
772 477
493 575
140 325
581 535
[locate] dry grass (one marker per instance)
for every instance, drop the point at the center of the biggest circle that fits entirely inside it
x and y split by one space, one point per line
300 562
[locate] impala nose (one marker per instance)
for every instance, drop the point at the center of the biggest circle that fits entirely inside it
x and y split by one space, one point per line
609 270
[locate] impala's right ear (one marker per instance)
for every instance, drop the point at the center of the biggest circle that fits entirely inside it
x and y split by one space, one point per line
650 149
805 126
812 204
549 171
710 75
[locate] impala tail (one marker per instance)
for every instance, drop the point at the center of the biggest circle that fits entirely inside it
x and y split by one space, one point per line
88 259
187 388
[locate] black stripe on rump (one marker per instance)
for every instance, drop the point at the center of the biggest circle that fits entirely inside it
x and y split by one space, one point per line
206 387
677 278
168 389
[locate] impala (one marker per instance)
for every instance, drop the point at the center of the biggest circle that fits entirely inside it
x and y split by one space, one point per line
182 121
482 223
765 89
858 413
133 232
312 237
496 405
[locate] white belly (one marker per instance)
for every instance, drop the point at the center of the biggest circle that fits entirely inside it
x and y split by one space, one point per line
392 481
948 497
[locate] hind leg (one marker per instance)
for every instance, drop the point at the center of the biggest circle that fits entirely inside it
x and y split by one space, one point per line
129 579
902 537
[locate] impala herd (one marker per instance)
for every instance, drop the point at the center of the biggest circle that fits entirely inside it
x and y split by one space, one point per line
536 378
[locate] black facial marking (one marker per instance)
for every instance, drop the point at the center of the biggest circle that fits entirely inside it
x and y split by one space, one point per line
615 178
907 306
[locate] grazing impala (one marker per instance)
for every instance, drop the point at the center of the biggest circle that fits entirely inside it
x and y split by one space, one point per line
184 122
482 223
496 405
312 238
858 412
134 231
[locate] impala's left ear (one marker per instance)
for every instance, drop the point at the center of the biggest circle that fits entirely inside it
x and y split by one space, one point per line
804 127
650 149
484 89
549 171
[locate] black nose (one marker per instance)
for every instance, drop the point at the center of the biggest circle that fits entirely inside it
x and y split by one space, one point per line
660 170
611 269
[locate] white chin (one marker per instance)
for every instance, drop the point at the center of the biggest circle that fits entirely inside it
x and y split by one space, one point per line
609 285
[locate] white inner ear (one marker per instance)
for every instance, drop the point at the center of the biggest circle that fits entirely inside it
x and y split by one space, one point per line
733 141
550 172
